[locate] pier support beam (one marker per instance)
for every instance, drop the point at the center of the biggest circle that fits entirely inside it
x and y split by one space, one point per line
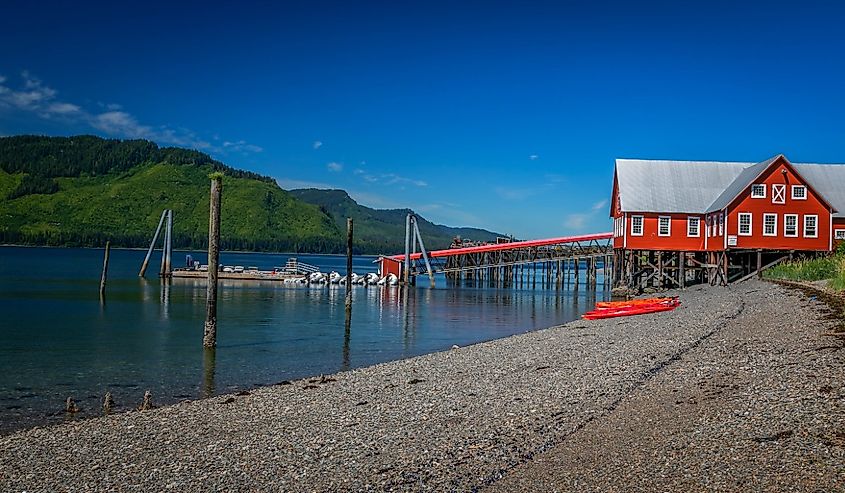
209 338
348 264
152 245
105 273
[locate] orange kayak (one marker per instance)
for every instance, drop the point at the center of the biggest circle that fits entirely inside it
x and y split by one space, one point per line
637 302
624 311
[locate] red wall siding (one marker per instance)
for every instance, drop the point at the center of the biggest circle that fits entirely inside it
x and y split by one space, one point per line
838 223
678 239
716 241
616 212
779 173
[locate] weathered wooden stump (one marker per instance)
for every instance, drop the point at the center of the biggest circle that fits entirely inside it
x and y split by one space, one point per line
147 404
70 406
108 403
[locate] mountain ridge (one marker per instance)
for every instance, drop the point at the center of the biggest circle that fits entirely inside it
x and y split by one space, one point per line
84 190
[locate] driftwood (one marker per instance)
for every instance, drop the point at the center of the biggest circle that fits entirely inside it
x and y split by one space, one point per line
147 404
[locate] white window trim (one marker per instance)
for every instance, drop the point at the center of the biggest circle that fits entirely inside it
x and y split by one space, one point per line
768 214
758 196
839 234
669 229
690 221
804 224
782 194
634 229
792 192
739 224
785 230
721 223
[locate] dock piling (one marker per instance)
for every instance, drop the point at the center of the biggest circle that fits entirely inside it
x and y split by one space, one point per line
105 273
209 338
348 264
152 245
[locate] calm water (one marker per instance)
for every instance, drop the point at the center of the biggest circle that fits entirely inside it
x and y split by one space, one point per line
58 340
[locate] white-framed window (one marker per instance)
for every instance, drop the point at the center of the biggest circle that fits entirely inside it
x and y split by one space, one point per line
636 225
664 226
770 224
744 224
790 225
778 194
811 226
758 191
799 192
693 225
839 234
708 225
721 223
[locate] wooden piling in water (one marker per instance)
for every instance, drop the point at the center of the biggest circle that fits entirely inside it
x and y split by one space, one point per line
152 245
105 273
168 268
209 338
348 263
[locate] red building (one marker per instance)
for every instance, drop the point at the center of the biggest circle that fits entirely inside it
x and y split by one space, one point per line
673 219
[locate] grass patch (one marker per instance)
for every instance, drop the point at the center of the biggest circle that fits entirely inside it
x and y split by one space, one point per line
816 269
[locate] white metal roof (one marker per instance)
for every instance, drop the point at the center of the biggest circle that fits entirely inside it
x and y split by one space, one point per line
697 187
673 186
748 175
828 180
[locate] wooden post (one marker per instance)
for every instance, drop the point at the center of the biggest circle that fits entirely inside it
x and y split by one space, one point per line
209 338
759 263
682 269
105 269
406 278
152 245
209 366
577 265
162 269
169 246
348 263
418 238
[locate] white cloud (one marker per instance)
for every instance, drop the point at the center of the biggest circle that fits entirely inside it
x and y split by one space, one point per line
242 146
533 157
317 144
599 205
334 167
292 184
576 221
510 193
63 108
41 100
389 178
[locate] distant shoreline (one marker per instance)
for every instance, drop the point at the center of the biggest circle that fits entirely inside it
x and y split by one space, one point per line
10 245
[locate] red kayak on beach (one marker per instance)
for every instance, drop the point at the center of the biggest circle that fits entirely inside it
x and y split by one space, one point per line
632 309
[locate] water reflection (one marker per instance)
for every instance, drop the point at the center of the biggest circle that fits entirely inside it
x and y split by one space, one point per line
149 334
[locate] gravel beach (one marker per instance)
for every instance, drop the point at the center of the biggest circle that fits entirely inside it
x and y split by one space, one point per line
739 389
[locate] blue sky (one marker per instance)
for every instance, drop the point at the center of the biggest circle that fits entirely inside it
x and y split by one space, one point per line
501 115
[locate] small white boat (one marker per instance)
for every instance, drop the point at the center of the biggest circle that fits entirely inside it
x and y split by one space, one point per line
372 278
238 269
227 269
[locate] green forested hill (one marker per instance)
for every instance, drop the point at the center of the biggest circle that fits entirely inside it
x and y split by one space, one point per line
84 190
383 230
